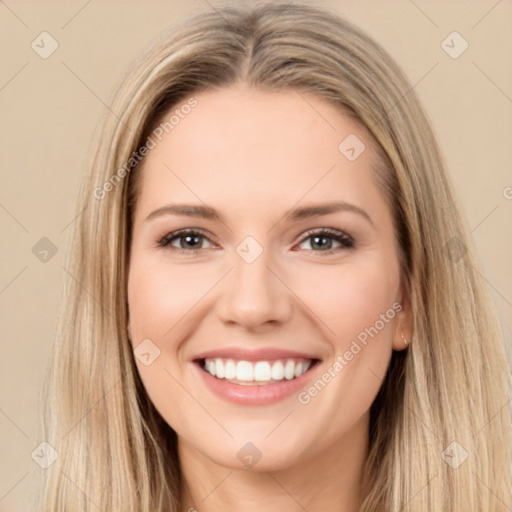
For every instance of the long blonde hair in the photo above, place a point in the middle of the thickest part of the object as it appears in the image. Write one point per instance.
(440, 425)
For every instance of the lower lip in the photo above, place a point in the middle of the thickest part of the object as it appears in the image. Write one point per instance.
(255, 394)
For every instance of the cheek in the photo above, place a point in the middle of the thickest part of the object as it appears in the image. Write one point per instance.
(351, 297)
(160, 296)
(157, 300)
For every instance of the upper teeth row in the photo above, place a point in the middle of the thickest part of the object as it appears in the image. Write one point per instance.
(260, 371)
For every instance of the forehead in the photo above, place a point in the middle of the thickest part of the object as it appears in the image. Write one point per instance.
(251, 148)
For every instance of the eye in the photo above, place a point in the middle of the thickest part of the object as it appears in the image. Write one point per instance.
(324, 240)
(185, 240)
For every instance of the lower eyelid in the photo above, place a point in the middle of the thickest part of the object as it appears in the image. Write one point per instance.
(343, 245)
(173, 238)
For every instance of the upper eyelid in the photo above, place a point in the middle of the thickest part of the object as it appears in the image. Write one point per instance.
(186, 231)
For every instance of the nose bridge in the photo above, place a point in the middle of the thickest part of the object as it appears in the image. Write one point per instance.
(253, 295)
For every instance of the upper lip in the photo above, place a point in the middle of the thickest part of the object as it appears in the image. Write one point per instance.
(245, 354)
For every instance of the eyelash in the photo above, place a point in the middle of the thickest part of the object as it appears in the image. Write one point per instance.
(346, 241)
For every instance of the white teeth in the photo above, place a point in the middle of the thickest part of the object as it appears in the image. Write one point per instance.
(230, 369)
(277, 371)
(262, 371)
(219, 369)
(246, 372)
(289, 370)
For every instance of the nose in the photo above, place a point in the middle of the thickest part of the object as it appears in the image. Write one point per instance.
(254, 295)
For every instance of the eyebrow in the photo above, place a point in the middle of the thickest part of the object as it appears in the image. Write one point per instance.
(206, 212)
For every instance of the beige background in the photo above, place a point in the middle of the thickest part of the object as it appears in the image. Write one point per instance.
(51, 109)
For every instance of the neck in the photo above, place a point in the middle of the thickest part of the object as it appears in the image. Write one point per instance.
(329, 480)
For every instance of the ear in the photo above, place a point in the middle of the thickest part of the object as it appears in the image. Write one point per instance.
(403, 321)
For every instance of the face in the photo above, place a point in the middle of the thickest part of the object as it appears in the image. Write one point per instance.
(281, 266)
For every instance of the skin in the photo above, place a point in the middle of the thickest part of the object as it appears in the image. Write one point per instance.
(253, 156)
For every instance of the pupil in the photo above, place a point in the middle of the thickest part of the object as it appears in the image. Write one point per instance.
(328, 242)
(193, 240)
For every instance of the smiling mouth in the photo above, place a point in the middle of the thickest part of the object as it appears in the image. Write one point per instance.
(256, 373)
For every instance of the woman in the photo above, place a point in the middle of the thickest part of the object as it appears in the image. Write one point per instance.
(273, 300)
